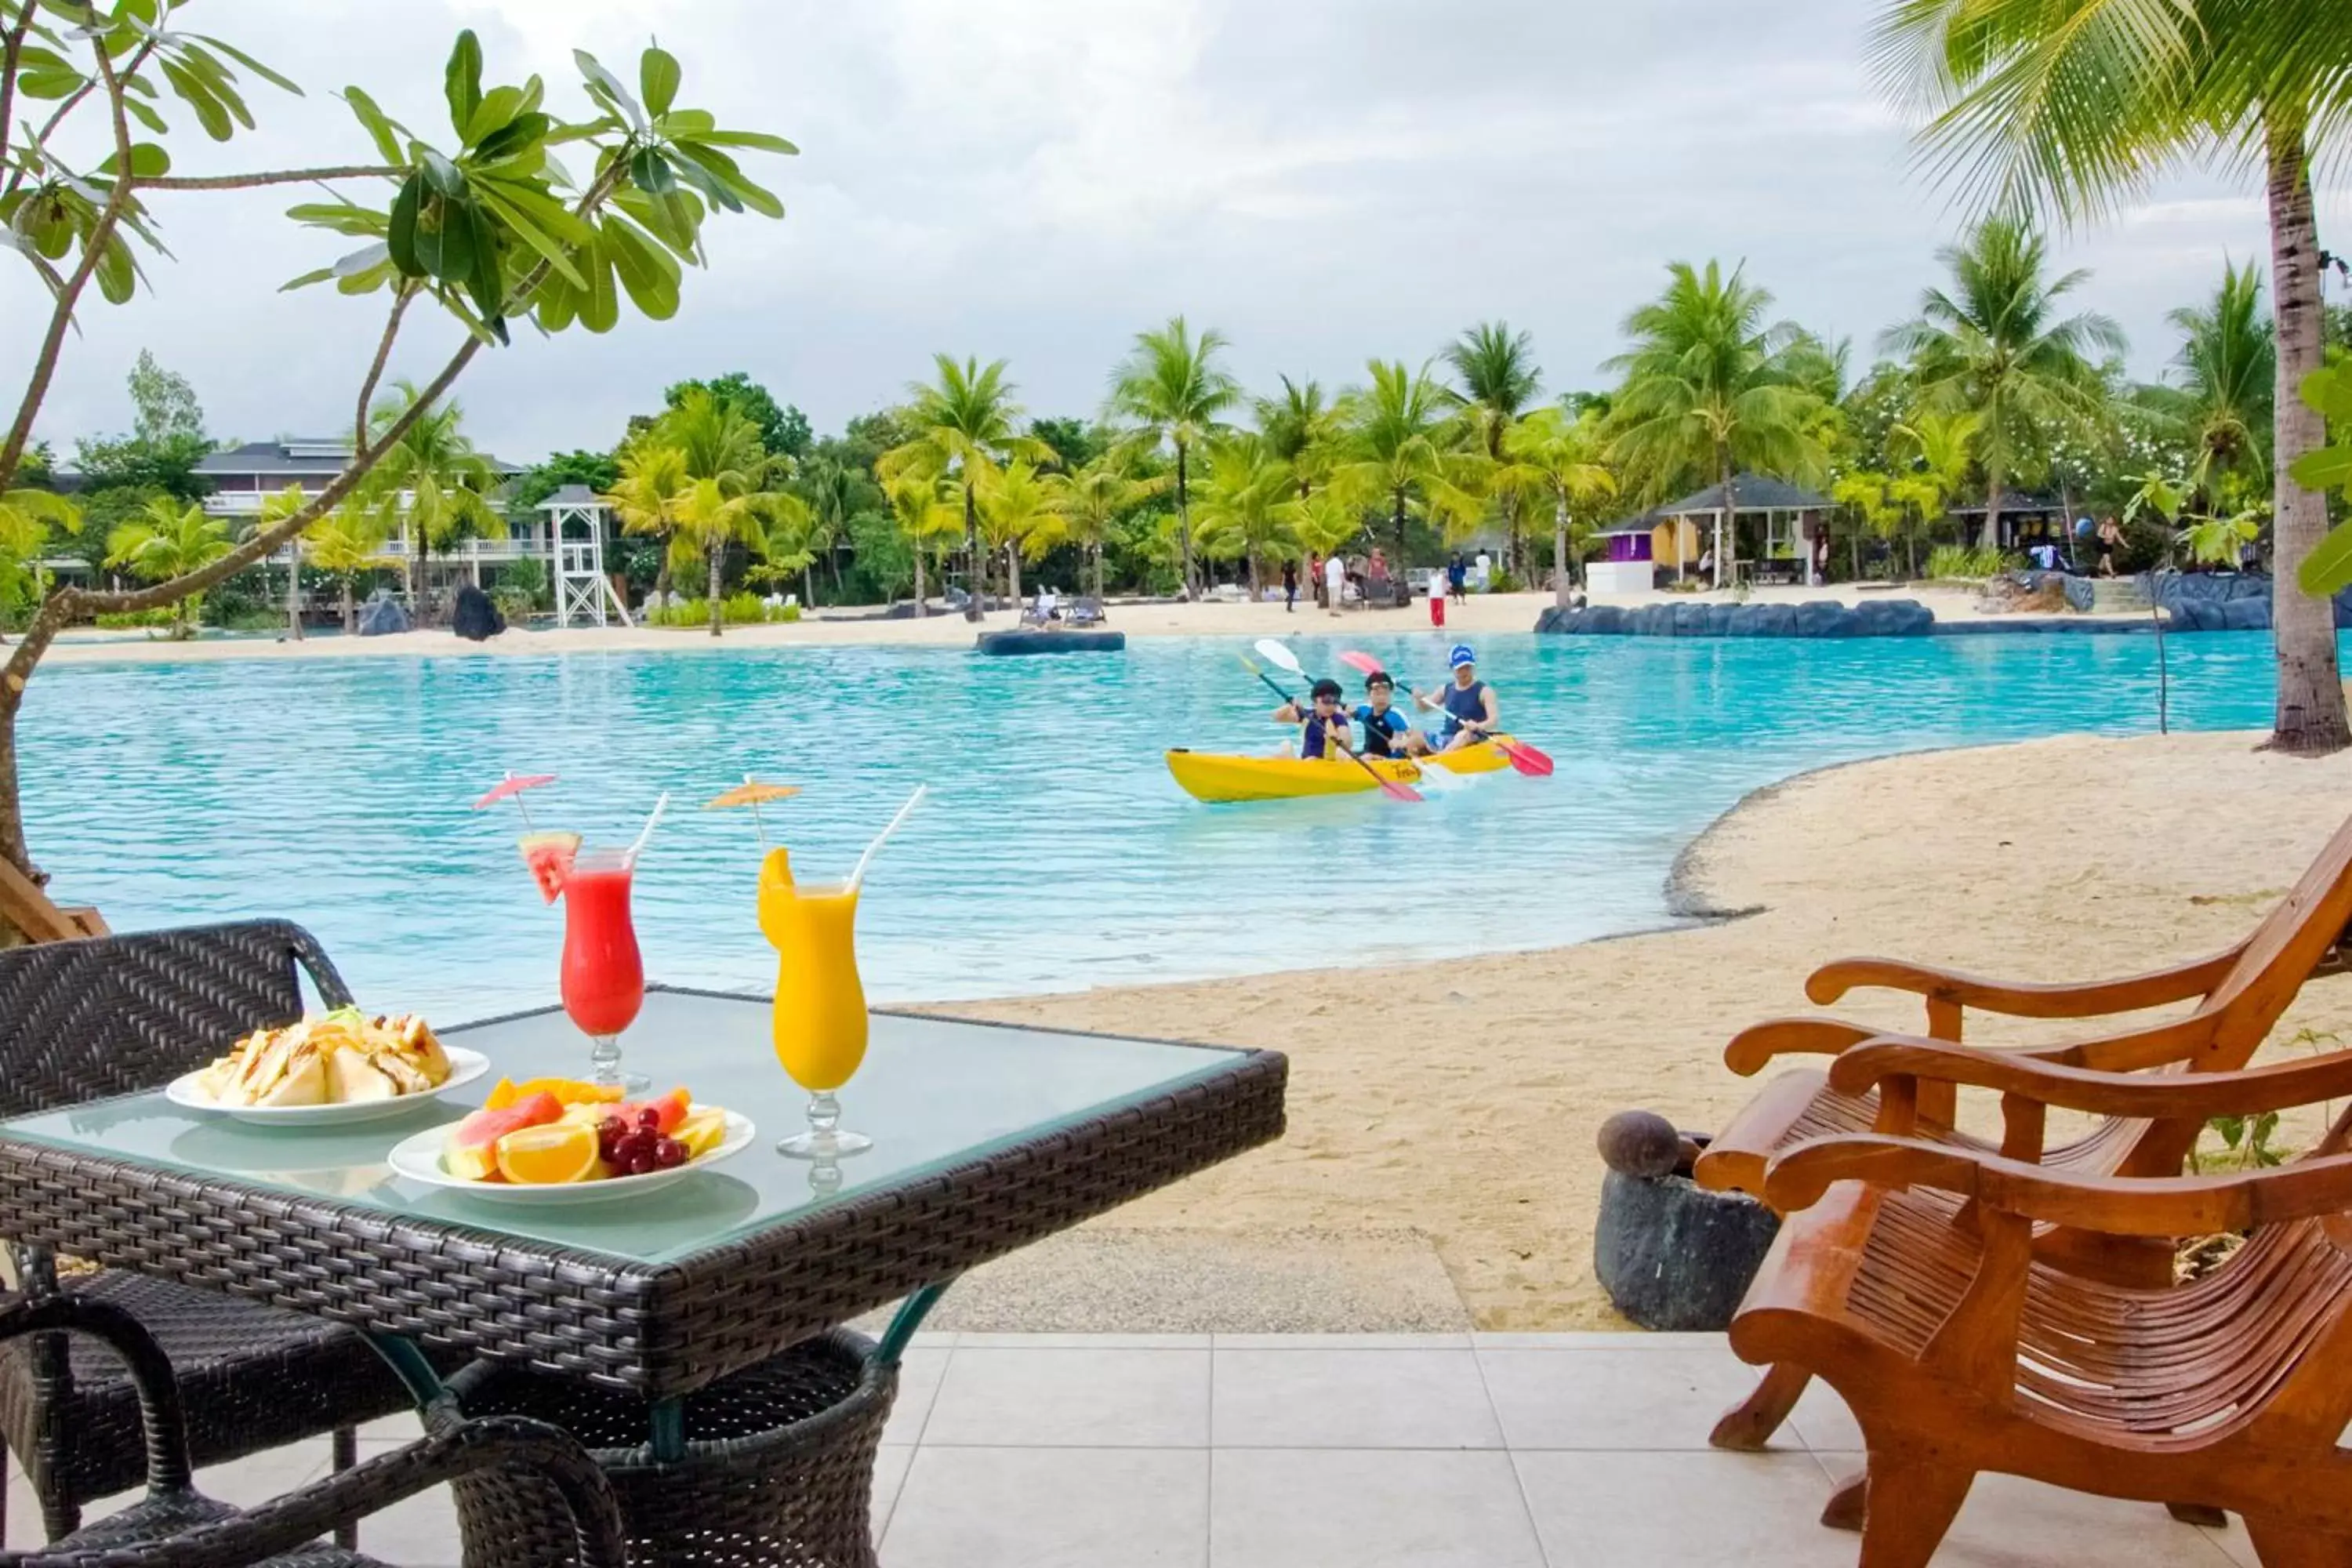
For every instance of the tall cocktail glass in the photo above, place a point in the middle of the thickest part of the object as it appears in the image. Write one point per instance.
(820, 1012)
(604, 975)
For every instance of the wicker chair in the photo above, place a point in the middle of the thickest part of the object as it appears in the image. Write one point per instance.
(83, 1020)
(175, 1526)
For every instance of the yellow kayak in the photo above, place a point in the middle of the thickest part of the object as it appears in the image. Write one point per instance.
(1223, 776)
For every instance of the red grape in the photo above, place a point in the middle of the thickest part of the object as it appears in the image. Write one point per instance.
(669, 1153)
(649, 1117)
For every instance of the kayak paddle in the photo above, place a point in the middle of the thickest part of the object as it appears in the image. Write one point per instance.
(1388, 787)
(1523, 758)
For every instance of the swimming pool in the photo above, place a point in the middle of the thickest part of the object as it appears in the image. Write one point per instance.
(1054, 853)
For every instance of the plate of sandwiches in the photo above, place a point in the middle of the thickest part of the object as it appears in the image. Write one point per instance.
(334, 1067)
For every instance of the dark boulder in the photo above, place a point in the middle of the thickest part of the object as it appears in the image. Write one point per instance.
(1823, 618)
(473, 618)
(2245, 615)
(382, 616)
(1892, 618)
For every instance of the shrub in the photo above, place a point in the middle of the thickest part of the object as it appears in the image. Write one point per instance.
(1501, 580)
(130, 619)
(1968, 561)
(735, 610)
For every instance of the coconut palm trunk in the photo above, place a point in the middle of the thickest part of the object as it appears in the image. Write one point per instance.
(1560, 553)
(2310, 714)
(351, 611)
(1184, 525)
(973, 557)
(1013, 574)
(294, 594)
(718, 554)
(1397, 520)
(416, 560)
(920, 611)
(1991, 538)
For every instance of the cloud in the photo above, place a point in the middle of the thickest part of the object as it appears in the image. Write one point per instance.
(1326, 179)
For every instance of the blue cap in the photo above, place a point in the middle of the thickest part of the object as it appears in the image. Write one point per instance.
(1460, 656)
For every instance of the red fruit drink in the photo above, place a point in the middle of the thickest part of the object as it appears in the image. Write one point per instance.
(604, 976)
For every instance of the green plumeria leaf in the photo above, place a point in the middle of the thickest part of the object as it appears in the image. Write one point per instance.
(210, 114)
(756, 141)
(248, 63)
(343, 217)
(400, 231)
(462, 82)
(658, 77)
(515, 136)
(2325, 469)
(148, 162)
(2328, 570)
(384, 132)
(147, 117)
(606, 87)
(558, 255)
(441, 176)
(499, 106)
(48, 84)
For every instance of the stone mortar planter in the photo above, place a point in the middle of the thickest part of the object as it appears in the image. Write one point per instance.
(1673, 1257)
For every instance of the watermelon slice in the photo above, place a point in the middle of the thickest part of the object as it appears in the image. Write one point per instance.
(549, 855)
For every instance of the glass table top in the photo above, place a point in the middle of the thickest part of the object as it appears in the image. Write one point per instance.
(931, 1092)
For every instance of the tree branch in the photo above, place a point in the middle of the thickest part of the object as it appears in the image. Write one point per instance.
(403, 293)
(94, 246)
(267, 177)
(65, 105)
(8, 53)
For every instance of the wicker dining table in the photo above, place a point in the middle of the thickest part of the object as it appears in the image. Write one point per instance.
(986, 1137)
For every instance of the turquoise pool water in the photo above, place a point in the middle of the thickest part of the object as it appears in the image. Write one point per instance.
(1054, 853)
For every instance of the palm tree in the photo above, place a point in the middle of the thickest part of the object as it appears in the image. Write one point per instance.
(276, 509)
(1096, 498)
(2228, 365)
(1301, 430)
(1499, 379)
(923, 508)
(1171, 388)
(728, 498)
(2072, 107)
(26, 516)
(1401, 451)
(1995, 345)
(1017, 509)
(966, 425)
(1245, 506)
(166, 540)
(1938, 446)
(1709, 390)
(440, 480)
(344, 543)
(645, 498)
(1550, 453)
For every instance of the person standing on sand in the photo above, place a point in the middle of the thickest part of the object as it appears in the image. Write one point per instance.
(1289, 586)
(1335, 583)
(2111, 544)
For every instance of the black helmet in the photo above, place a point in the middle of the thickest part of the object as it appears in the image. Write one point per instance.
(1378, 678)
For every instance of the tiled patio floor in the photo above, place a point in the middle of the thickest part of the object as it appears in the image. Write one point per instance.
(1350, 1451)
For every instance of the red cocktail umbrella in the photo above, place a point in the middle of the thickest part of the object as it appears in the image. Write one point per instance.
(512, 786)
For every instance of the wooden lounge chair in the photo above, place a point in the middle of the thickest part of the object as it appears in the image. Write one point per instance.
(2241, 991)
(1905, 1276)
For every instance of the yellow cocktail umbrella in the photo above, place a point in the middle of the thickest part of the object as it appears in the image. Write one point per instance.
(750, 793)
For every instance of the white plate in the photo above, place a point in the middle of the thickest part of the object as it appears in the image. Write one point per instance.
(417, 1158)
(187, 1092)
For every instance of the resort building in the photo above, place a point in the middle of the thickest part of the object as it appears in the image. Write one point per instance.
(1772, 533)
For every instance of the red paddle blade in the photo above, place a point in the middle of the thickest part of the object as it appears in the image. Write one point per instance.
(1526, 759)
(1363, 663)
(1396, 791)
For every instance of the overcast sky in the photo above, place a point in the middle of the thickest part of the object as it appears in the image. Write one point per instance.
(1324, 180)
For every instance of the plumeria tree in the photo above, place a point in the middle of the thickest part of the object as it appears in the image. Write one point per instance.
(479, 220)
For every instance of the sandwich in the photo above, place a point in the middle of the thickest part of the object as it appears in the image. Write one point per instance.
(343, 1057)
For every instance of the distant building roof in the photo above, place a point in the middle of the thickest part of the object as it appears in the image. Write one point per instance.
(2014, 506)
(297, 457)
(1750, 492)
(571, 495)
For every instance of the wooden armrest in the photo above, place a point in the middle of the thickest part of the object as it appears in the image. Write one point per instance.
(2165, 1097)
(2179, 983)
(2154, 1207)
(1754, 1047)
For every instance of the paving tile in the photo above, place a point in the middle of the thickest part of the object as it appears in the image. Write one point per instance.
(392, 1431)
(1616, 1399)
(1342, 1342)
(1350, 1399)
(1052, 1507)
(1072, 1398)
(1608, 1510)
(2009, 1522)
(1083, 1342)
(890, 1473)
(1361, 1507)
(1568, 1339)
(2234, 1543)
(419, 1532)
(919, 1372)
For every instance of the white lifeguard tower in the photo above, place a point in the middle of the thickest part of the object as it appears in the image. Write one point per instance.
(575, 546)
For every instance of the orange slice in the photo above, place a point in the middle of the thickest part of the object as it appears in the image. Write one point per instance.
(549, 1155)
(572, 1091)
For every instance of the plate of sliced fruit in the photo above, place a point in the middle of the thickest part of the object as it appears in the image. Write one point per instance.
(330, 1068)
(559, 1141)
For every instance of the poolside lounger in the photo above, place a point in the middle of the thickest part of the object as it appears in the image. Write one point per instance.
(1087, 612)
(2241, 994)
(1905, 1276)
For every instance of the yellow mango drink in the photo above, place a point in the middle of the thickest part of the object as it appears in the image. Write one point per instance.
(819, 1021)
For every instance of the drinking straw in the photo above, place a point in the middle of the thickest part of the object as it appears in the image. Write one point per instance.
(857, 877)
(639, 848)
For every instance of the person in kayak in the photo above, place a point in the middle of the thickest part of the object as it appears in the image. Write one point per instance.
(1387, 731)
(1324, 727)
(1468, 703)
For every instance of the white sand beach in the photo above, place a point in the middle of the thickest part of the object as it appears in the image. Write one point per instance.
(1469, 1116)
(1480, 613)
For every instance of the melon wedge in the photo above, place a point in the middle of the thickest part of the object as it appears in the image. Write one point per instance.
(549, 858)
(472, 1151)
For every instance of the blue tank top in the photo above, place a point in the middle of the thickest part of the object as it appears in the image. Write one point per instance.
(1464, 705)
